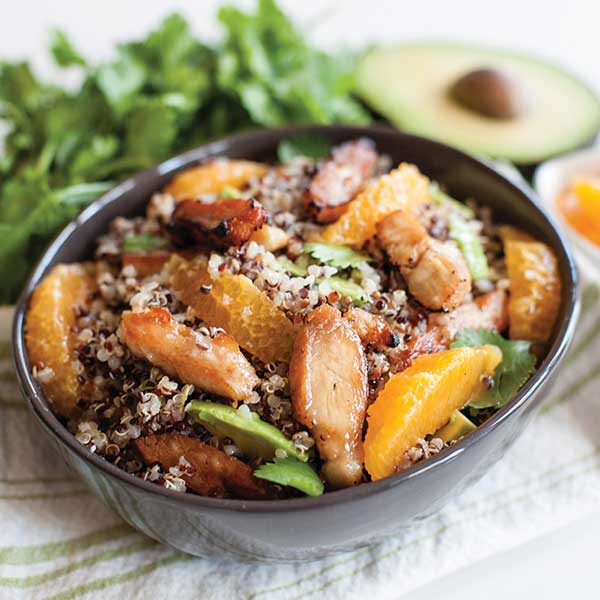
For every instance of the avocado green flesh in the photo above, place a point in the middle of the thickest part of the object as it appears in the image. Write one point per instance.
(457, 427)
(251, 435)
(291, 472)
(408, 85)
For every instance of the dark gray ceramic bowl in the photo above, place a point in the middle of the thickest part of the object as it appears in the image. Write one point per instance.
(305, 528)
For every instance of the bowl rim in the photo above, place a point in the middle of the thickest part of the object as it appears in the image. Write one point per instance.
(40, 406)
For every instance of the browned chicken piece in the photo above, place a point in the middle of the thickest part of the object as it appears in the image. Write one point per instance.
(225, 222)
(489, 311)
(436, 272)
(271, 238)
(214, 364)
(338, 180)
(328, 381)
(210, 471)
(372, 330)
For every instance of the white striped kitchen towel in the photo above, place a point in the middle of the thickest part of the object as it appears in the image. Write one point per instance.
(57, 541)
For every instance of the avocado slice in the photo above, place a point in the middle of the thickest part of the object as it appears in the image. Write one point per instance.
(290, 471)
(411, 86)
(251, 434)
(457, 427)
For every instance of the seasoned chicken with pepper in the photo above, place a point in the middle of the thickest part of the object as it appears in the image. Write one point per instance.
(206, 470)
(214, 364)
(338, 180)
(328, 381)
(436, 272)
(373, 330)
(224, 222)
(488, 311)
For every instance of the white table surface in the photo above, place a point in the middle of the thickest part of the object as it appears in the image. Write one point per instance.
(558, 565)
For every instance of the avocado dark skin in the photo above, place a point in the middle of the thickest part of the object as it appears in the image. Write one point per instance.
(491, 93)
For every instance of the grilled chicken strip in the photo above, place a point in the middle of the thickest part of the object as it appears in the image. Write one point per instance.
(210, 471)
(489, 311)
(372, 330)
(436, 272)
(328, 381)
(225, 222)
(214, 364)
(338, 180)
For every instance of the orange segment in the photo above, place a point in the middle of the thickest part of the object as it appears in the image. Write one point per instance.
(510, 233)
(48, 331)
(587, 191)
(236, 305)
(420, 400)
(402, 188)
(213, 177)
(578, 218)
(535, 286)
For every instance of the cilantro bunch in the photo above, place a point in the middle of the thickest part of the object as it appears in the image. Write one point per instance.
(161, 95)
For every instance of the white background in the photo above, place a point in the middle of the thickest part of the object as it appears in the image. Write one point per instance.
(565, 563)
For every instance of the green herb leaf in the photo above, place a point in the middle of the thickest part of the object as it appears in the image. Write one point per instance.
(151, 130)
(121, 81)
(143, 242)
(517, 366)
(309, 146)
(63, 51)
(348, 288)
(335, 255)
(162, 94)
(468, 242)
(291, 472)
(283, 263)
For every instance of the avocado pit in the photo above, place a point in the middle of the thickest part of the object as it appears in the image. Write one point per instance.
(491, 93)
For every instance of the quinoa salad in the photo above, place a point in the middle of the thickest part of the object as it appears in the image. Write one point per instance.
(267, 331)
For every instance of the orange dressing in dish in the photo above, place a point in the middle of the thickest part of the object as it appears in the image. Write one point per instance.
(579, 204)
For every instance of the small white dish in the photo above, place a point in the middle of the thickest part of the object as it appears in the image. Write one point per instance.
(550, 179)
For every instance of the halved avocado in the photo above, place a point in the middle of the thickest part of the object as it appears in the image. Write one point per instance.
(251, 434)
(415, 87)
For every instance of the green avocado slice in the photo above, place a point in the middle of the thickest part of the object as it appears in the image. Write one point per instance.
(290, 471)
(457, 427)
(408, 84)
(251, 434)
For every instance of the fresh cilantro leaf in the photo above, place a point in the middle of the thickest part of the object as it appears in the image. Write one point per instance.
(292, 472)
(121, 80)
(98, 150)
(278, 78)
(143, 242)
(310, 146)
(335, 255)
(151, 130)
(162, 94)
(294, 268)
(517, 366)
(348, 288)
(63, 51)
